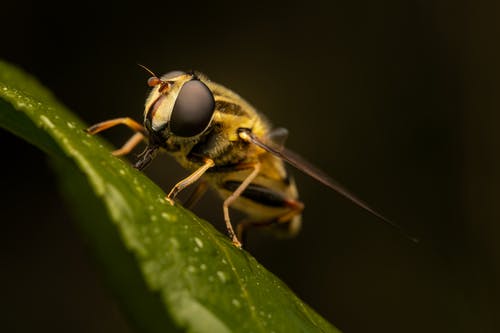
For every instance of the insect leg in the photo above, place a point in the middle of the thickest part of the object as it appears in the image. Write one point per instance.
(129, 122)
(129, 145)
(197, 194)
(189, 180)
(233, 197)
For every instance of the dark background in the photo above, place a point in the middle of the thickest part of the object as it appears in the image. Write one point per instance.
(398, 100)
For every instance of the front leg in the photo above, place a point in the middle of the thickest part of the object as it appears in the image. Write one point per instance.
(139, 136)
(129, 122)
(208, 163)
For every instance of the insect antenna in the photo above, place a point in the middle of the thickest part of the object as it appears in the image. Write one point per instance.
(154, 80)
(147, 70)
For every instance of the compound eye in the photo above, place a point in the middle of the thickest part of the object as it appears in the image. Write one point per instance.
(193, 109)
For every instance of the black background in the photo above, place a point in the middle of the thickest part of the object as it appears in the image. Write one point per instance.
(398, 100)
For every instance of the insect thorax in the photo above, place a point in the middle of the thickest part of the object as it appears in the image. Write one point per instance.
(221, 142)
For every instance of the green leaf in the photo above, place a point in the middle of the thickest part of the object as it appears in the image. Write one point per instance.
(170, 269)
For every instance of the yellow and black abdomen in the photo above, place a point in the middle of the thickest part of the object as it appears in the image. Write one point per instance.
(270, 200)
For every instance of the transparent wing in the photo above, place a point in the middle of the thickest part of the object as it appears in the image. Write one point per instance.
(298, 162)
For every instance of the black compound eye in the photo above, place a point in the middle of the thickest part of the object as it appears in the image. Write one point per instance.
(193, 109)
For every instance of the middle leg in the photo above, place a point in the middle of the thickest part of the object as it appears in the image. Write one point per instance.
(229, 200)
(192, 178)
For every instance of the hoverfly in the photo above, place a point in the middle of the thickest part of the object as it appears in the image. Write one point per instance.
(222, 140)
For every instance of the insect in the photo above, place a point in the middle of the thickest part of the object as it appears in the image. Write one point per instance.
(224, 142)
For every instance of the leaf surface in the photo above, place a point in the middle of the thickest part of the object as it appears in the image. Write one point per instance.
(170, 269)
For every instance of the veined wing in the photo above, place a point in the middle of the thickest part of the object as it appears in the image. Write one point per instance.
(300, 163)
